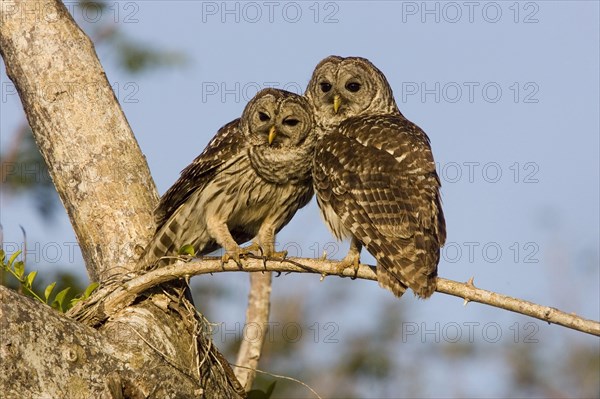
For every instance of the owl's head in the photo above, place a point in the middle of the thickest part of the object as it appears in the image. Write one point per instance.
(277, 119)
(345, 87)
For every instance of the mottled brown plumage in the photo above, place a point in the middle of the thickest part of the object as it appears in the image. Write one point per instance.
(247, 183)
(374, 175)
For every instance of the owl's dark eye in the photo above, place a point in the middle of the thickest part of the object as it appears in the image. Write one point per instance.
(325, 86)
(263, 117)
(291, 122)
(353, 86)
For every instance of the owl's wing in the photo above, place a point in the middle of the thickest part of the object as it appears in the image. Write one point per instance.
(220, 153)
(378, 175)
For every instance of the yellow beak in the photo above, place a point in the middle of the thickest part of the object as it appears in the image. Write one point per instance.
(272, 134)
(337, 101)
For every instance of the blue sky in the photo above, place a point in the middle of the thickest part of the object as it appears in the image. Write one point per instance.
(508, 93)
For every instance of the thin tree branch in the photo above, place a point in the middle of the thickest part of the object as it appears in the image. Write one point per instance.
(117, 297)
(255, 330)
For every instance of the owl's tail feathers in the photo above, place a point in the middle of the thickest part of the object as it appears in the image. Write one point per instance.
(148, 259)
(425, 289)
(390, 281)
(408, 265)
(155, 255)
(424, 267)
(423, 286)
(161, 245)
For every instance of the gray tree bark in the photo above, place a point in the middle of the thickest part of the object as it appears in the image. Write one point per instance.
(48, 355)
(257, 321)
(156, 347)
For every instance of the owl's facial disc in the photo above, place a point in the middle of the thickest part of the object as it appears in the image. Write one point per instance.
(293, 122)
(277, 119)
(279, 124)
(260, 114)
(342, 89)
(354, 90)
(263, 129)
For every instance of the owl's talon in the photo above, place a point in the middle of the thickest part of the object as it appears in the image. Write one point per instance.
(254, 247)
(265, 253)
(279, 254)
(350, 261)
(235, 256)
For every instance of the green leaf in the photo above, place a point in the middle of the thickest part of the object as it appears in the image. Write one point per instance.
(88, 291)
(48, 291)
(187, 249)
(60, 298)
(2, 256)
(19, 269)
(30, 278)
(86, 294)
(13, 257)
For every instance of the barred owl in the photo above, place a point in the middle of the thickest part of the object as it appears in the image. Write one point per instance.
(374, 175)
(246, 184)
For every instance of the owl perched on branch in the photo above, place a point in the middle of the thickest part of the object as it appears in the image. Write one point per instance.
(374, 175)
(247, 184)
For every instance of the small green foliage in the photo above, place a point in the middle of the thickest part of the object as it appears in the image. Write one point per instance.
(86, 294)
(31, 277)
(88, 291)
(258, 394)
(187, 249)
(12, 258)
(59, 302)
(48, 291)
(19, 269)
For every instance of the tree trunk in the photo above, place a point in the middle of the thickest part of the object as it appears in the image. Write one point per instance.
(158, 347)
(45, 354)
(94, 160)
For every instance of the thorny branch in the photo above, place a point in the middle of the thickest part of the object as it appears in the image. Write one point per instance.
(115, 297)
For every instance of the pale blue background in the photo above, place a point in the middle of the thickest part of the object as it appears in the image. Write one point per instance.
(551, 129)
